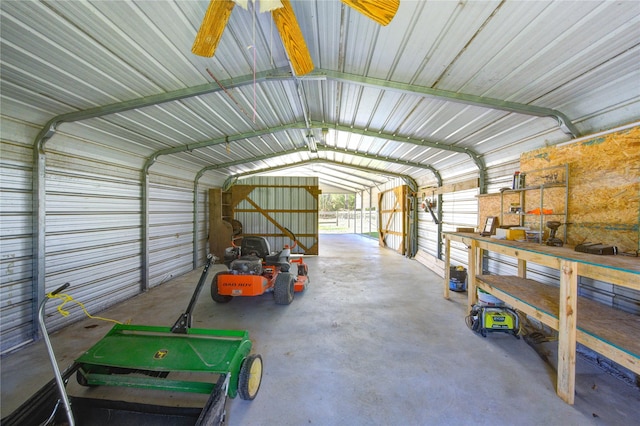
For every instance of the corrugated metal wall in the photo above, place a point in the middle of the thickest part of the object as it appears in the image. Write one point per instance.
(459, 209)
(92, 235)
(277, 197)
(202, 221)
(171, 212)
(16, 258)
(93, 229)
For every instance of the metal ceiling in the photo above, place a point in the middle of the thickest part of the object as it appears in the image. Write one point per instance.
(446, 89)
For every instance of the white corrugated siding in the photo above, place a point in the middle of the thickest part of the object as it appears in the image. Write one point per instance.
(93, 228)
(93, 237)
(202, 222)
(170, 231)
(16, 256)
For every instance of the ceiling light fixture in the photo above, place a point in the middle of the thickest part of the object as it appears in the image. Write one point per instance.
(325, 132)
(313, 147)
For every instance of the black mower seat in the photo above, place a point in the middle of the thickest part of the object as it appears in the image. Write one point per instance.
(274, 259)
(278, 258)
(258, 246)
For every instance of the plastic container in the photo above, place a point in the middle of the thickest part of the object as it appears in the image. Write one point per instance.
(486, 299)
(533, 236)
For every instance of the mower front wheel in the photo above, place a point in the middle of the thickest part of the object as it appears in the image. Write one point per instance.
(283, 288)
(81, 379)
(250, 377)
(217, 297)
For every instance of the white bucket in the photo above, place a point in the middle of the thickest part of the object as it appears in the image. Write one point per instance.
(485, 299)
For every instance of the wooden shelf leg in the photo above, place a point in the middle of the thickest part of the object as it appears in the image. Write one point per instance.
(472, 293)
(567, 331)
(447, 263)
(522, 268)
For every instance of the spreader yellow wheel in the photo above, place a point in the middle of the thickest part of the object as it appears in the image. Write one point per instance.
(250, 377)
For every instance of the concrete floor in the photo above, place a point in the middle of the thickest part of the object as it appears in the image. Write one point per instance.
(371, 342)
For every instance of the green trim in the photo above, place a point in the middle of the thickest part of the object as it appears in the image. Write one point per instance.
(563, 121)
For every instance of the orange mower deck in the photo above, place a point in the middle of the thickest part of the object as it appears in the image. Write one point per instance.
(252, 285)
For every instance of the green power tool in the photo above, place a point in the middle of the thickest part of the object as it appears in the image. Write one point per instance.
(484, 319)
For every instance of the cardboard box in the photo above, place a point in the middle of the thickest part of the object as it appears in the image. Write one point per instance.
(516, 234)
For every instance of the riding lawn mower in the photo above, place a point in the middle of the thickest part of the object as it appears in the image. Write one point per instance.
(255, 270)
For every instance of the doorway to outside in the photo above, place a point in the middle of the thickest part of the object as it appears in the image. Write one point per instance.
(340, 214)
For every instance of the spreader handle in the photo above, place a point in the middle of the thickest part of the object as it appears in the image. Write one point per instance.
(59, 289)
(295, 239)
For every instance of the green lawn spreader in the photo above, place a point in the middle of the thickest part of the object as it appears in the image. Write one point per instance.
(177, 359)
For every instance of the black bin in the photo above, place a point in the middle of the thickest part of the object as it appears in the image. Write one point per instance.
(457, 278)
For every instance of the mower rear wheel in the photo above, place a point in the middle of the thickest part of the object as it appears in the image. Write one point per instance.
(217, 297)
(283, 288)
(250, 377)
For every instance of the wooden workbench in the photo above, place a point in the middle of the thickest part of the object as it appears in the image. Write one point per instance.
(609, 331)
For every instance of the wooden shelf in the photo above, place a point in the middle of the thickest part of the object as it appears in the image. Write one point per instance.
(614, 332)
(607, 330)
(533, 214)
(534, 195)
(536, 187)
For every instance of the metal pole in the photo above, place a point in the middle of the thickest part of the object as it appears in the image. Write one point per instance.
(52, 357)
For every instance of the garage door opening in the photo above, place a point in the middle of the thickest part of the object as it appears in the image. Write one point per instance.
(346, 214)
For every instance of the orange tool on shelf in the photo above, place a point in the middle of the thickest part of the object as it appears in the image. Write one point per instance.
(537, 211)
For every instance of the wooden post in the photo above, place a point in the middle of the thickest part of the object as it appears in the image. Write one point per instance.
(447, 265)
(479, 258)
(567, 331)
(522, 268)
(472, 292)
